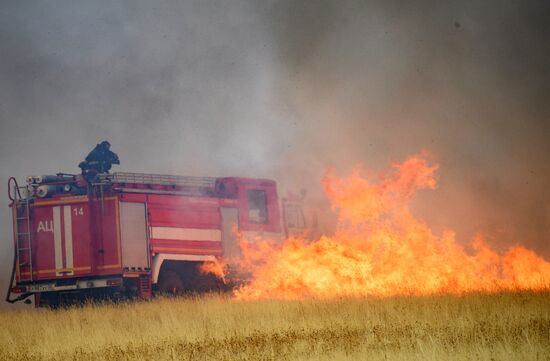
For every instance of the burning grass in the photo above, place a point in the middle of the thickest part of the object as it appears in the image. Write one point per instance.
(502, 326)
(381, 249)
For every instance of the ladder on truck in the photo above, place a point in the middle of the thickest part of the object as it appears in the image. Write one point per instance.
(158, 183)
(23, 233)
(158, 179)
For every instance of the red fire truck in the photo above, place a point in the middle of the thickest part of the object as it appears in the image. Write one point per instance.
(134, 234)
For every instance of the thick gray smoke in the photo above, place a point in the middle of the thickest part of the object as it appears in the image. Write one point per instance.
(282, 90)
(370, 82)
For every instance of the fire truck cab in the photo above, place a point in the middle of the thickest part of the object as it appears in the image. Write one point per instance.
(133, 233)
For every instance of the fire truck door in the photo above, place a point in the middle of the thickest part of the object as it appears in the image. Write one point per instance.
(133, 234)
(230, 220)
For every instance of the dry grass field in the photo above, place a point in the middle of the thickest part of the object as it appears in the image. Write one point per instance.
(505, 326)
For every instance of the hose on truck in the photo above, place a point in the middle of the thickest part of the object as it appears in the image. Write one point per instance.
(12, 278)
(8, 294)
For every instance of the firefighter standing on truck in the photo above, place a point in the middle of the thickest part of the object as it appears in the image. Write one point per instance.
(99, 160)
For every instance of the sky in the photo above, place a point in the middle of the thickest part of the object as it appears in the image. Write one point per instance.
(285, 89)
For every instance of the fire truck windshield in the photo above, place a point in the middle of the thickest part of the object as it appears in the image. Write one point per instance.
(257, 206)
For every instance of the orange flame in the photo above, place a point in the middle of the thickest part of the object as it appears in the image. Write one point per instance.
(216, 267)
(380, 249)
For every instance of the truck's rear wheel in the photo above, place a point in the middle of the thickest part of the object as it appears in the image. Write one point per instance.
(170, 283)
(48, 299)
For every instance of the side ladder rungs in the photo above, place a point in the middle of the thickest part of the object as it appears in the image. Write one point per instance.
(23, 241)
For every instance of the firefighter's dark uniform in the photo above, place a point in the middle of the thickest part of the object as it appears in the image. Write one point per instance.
(99, 160)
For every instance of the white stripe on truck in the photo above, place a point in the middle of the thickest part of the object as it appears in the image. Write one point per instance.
(68, 237)
(57, 239)
(191, 234)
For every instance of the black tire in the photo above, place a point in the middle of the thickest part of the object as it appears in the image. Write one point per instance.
(207, 283)
(49, 300)
(170, 283)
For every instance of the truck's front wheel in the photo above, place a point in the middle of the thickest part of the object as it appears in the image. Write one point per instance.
(170, 283)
